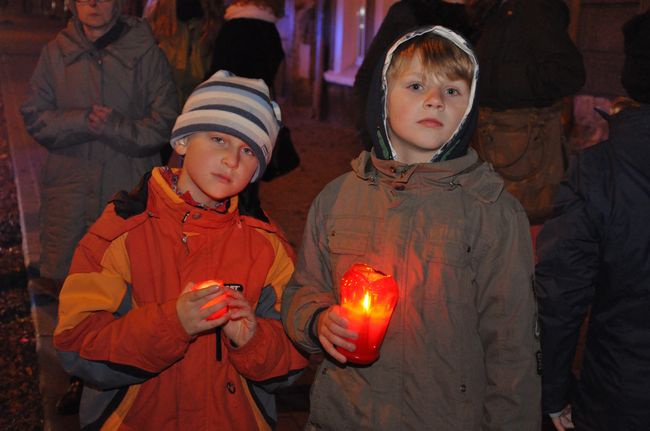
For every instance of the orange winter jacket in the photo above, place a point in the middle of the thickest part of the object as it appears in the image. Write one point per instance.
(118, 328)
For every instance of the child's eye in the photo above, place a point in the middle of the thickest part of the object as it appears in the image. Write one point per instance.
(248, 151)
(218, 140)
(452, 92)
(415, 86)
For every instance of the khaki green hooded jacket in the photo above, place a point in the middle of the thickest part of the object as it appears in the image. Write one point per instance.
(460, 350)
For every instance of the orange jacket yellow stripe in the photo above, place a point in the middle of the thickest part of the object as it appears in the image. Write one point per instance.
(159, 377)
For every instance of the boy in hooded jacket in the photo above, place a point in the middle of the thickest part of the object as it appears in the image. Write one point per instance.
(460, 349)
(132, 322)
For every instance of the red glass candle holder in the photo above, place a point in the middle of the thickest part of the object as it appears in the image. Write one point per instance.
(214, 301)
(368, 298)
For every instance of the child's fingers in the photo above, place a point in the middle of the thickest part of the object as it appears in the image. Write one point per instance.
(337, 324)
(340, 331)
(207, 325)
(206, 312)
(236, 314)
(237, 302)
(188, 287)
(205, 294)
(334, 314)
(338, 340)
(331, 350)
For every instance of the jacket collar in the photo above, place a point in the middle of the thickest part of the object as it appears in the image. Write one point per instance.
(127, 49)
(164, 202)
(468, 172)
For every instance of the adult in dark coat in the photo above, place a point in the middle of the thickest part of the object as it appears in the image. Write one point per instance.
(402, 16)
(248, 43)
(595, 253)
(528, 64)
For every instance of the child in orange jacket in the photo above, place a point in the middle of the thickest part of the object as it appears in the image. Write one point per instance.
(132, 323)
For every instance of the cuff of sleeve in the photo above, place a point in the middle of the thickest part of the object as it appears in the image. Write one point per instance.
(247, 348)
(111, 129)
(311, 326)
(556, 414)
(174, 326)
(76, 120)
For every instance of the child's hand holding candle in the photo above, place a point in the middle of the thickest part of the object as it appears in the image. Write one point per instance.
(197, 303)
(355, 329)
(214, 301)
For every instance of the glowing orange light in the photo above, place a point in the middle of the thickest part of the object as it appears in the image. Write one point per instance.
(218, 299)
(368, 298)
(366, 302)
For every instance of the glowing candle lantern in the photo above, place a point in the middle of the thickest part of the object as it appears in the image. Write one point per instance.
(368, 298)
(214, 301)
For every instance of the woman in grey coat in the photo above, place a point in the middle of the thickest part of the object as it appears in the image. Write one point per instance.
(102, 101)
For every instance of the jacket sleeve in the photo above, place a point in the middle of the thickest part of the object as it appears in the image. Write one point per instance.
(555, 68)
(310, 289)
(141, 137)
(270, 354)
(49, 125)
(506, 325)
(565, 277)
(147, 339)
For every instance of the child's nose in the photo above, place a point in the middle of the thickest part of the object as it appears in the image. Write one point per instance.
(231, 158)
(433, 99)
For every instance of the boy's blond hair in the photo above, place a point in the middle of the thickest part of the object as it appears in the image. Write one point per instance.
(438, 55)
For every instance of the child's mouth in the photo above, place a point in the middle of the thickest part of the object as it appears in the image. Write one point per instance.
(430, 122)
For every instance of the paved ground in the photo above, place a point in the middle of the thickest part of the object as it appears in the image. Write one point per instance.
(325, 152)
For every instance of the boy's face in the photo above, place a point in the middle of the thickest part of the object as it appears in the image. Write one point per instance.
(216, 166)
(423, 110)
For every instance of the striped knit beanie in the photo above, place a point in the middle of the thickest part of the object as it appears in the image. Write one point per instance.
(237, 106)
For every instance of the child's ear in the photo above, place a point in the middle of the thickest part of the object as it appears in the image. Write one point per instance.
(181, 146)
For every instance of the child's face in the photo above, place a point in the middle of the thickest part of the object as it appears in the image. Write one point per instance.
(423, 110)
(216, 166)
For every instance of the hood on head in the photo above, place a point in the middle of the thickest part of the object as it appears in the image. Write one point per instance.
(377, 123)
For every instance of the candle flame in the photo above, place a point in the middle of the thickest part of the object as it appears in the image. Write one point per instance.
(366, 301)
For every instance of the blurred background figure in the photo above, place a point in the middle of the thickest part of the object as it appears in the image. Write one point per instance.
(101, 101)
(595, 254)
(248, 43)
(185, 30)
(402, 16)
(528, 64)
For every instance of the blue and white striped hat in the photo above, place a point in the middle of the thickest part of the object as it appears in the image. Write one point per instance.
(237, 106)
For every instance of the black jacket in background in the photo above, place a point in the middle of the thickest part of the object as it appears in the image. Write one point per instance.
(596, 252)
(526, 56)
(248, 47)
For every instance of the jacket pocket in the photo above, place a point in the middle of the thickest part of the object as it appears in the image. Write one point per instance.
(348, 242)
(454, 253)
(448, 273)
